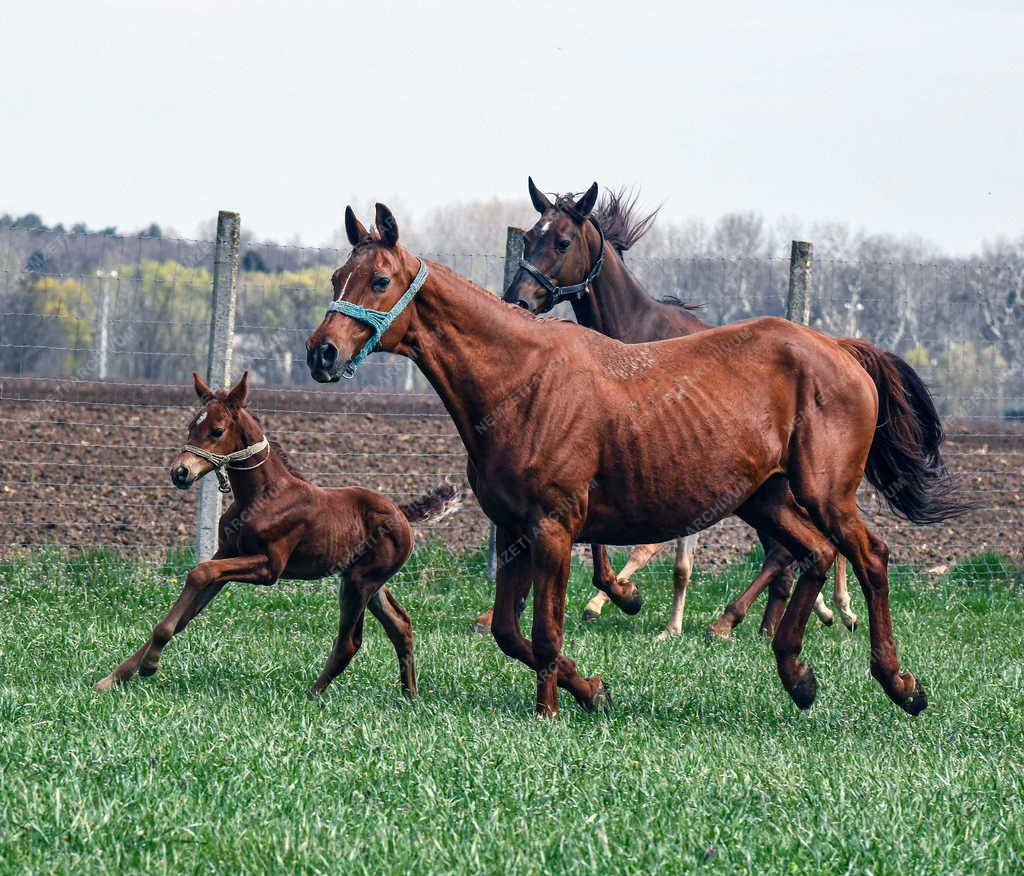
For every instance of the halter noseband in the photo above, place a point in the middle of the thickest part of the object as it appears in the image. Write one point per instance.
(563, 293)
(379, 320)
(227, 460)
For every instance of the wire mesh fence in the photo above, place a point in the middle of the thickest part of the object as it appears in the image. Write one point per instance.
(99, 335)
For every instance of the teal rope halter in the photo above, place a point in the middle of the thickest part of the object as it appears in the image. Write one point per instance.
(379, 320)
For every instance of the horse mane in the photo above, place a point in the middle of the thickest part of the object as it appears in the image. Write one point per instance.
(282, 457)
(676, 301)
(275, 448)
(616, 214)
(520, 312)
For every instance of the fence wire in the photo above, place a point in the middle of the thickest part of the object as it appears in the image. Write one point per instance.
(99, 335)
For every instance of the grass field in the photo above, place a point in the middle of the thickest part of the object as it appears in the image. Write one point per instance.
(220, 764)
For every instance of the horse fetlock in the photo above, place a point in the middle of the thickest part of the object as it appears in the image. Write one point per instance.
(105, 684)
(805, 690)
(917, 702)
(601, 701)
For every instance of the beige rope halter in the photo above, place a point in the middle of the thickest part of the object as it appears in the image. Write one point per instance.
(228, 460)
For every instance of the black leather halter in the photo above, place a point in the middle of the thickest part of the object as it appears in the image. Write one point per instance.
(558, 294)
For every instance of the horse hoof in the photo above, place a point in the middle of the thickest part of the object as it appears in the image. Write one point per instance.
(917, 702)
(590, 615)
(667, 634)
(146, 671)
(481, 629)
(806, 689)
(850, 624)
(632, 604)
(602, 700)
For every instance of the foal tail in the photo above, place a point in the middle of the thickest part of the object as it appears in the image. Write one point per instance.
(904, 463)
(433, 505)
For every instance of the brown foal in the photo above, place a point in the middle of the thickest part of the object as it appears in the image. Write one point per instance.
(573, 436)
(281, 525)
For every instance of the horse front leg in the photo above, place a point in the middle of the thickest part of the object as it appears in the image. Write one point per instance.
(550, 558)
(515, 576)
(604, 577)
(203, 583)
(685, 549)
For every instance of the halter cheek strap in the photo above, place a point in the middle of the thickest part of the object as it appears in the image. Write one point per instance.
(379, 320)
(228, 460)
(558, 294)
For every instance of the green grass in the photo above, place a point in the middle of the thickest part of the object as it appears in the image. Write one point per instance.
(219, 764)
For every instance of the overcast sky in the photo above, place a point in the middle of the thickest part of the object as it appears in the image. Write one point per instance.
(902, 117)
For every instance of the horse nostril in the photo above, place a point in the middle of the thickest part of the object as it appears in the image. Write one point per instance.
(180, 474)
(523, 304)
(328, 355)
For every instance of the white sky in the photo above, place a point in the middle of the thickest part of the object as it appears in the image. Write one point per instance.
(902, 117)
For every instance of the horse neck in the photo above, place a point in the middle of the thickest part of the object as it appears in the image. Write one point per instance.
(248, 483)
(619, 307)
(477, 352)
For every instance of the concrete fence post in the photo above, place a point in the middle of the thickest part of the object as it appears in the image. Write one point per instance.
(103, 353)
(514, 241)
(218, 363)
(798, 300)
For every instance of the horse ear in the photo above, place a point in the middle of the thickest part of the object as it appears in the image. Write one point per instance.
(202, 390)
(540, 201)
(585, 204)
(387, 227)
(355, 229)
(239, 395)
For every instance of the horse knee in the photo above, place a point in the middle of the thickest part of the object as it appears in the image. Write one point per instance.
(507, 637)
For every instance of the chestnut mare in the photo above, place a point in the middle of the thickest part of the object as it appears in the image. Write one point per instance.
(573, 436)
(616, 305)
(281, 525)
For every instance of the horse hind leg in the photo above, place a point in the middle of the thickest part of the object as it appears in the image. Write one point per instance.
(869, 556)
(774, 511)
(773, 573)
(841, 596)
(823, 612)
(685, 549)
(398, 626)
(603, 580)
(835, 513)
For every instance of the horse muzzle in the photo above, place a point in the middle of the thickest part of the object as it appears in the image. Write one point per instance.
(181, 477)
(324, 363)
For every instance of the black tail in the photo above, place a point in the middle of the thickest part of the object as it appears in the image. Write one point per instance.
(905, 464)
(433, 505)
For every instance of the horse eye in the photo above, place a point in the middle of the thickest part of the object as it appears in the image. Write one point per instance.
(216, 433)
(381, 283)
(562, 245)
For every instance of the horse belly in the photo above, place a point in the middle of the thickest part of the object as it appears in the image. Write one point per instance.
(678, 473)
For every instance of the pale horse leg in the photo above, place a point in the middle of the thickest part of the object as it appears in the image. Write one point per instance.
(639, 557)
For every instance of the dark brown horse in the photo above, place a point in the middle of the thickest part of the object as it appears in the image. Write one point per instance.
(556, 256)
(573, 436)
(281, 525)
